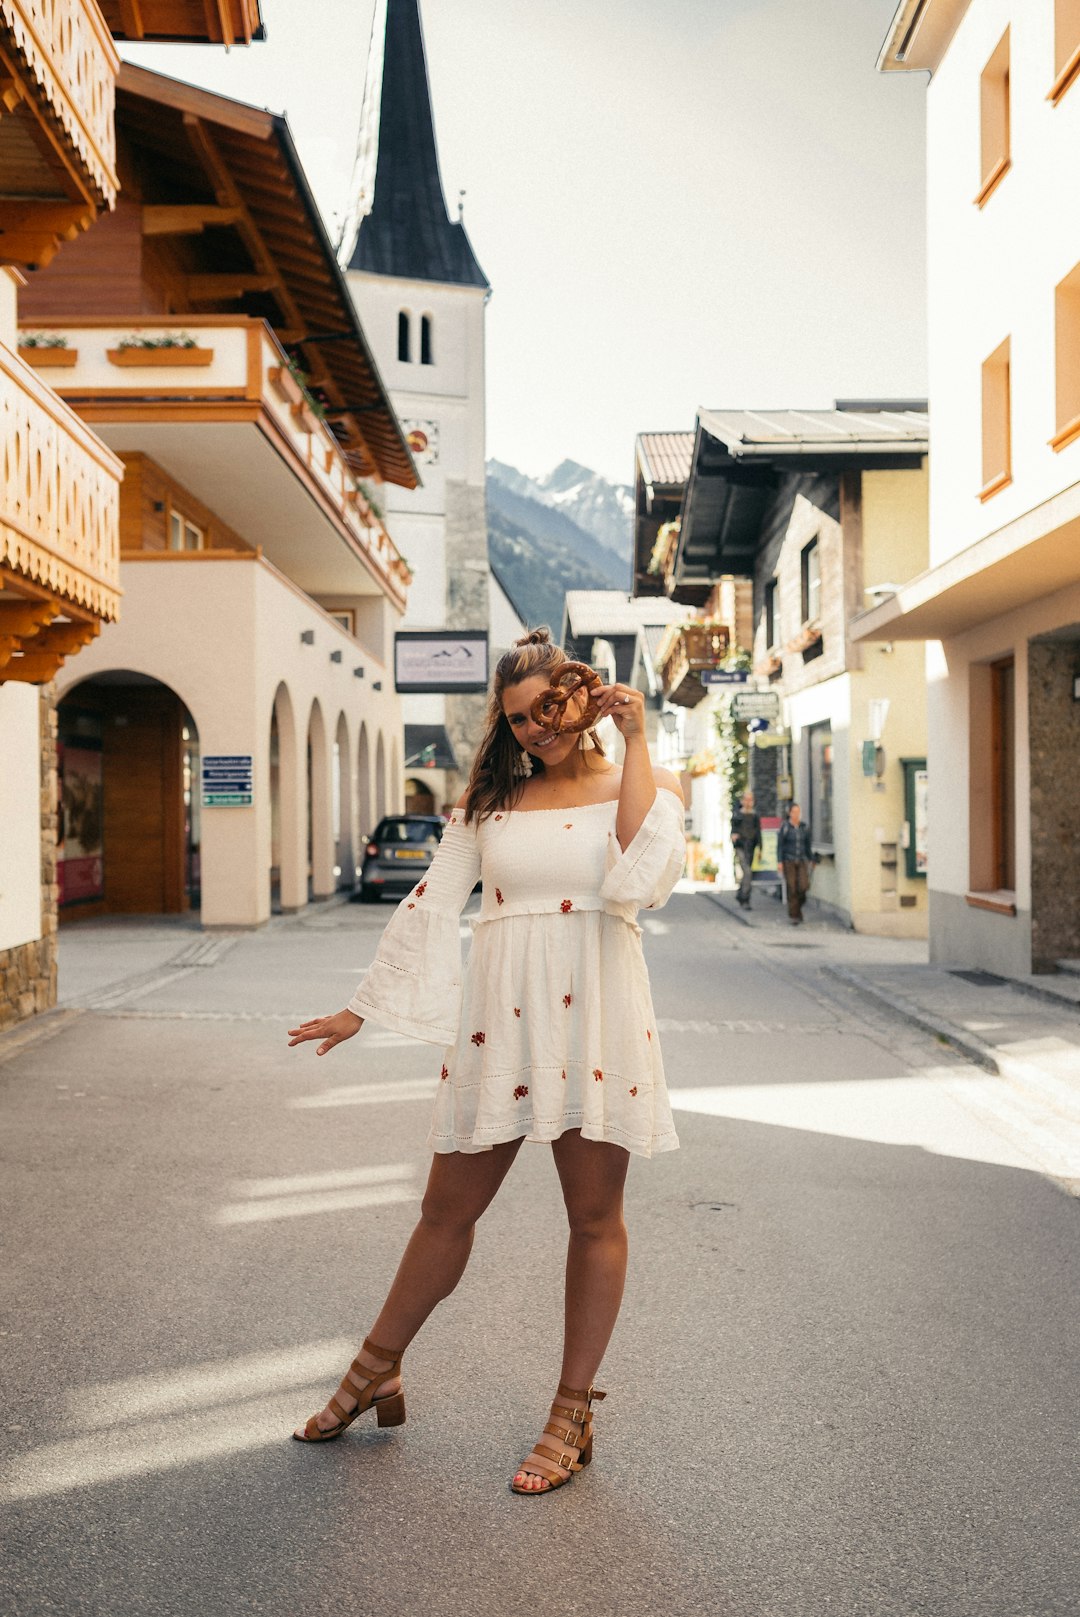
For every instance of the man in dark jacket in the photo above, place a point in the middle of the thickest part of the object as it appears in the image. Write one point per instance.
(746, 838)
(794, 855)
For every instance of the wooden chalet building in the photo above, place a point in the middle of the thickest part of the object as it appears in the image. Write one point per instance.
(228, 742)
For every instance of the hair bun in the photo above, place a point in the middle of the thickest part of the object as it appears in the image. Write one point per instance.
(536, 637)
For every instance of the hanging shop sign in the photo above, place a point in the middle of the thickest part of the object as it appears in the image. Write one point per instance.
(724, 676)
(747, 705)
(440, 660)
(227, 780)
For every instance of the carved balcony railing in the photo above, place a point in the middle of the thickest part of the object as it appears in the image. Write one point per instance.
(235, 371)
(59, 527)
(59, 56)
(685, 652)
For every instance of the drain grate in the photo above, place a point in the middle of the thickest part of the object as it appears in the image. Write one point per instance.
(979, 979)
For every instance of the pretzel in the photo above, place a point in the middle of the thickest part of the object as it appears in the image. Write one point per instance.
(550, 706)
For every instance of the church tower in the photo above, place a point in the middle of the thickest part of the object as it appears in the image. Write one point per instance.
(421, 296)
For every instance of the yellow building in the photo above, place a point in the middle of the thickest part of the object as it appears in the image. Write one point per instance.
(59, 498)
(822, 509)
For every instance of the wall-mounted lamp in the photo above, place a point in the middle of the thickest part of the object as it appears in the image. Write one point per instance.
(670, 721)
(335, 656)
(307, 637)
(358, 673)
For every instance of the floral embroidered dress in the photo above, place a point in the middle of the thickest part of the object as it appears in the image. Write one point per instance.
(551, 1025)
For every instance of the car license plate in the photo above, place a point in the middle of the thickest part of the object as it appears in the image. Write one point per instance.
(409, 853)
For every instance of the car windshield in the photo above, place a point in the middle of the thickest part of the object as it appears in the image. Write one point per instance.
(408, 831)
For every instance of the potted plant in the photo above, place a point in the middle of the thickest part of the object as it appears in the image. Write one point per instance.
(707, 870)
(47, 349)
(172, 348)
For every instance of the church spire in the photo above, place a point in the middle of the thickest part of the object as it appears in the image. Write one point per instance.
(406, 231)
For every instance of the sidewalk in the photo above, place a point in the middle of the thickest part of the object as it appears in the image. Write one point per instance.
(1025, 1029)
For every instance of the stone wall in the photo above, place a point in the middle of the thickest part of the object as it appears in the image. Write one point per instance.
(467, 570)
(1054, 732)
(28, 972)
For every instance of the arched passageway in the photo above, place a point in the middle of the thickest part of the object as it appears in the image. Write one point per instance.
(288, 870)
(380, 778)
(320, 848)
(365, 818)
(344, 846)
(419, 799)
(129, 832)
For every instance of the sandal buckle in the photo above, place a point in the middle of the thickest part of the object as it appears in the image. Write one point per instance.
(566, 1461)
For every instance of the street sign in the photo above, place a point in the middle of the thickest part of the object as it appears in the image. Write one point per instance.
(227, 780)
(724, 676)
(747, 705)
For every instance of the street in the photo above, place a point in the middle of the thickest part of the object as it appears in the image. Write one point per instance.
(844, 1381)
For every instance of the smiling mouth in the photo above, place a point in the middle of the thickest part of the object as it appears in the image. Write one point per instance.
(539, 745)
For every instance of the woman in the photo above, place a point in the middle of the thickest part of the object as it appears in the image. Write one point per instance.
(550, 1037)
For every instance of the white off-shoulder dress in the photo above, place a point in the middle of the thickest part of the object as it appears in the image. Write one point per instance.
(551, 1025)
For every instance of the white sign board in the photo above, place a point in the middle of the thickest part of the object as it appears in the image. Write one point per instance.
(440, 660)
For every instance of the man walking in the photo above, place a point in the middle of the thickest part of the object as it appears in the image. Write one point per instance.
(794, 854)
(746, 839)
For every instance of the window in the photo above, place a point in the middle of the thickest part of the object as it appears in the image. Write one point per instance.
(427, 354)
(1066, 46)
(404, 336)
(996, 422)
(810, 572)
(184, 535)
(1067, 359)
(996, 119)
(1003, 778)
(770, 614)
(820, 741)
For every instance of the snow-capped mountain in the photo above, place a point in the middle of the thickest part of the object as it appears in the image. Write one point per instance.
(604, 510)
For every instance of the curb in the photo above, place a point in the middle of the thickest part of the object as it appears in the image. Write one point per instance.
(719, 899)
(1052, 1091)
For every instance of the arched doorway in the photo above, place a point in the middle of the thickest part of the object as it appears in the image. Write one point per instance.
(363, 785)
(380, 778)
(320, 839)
(418, 798)
(288, 880)
(129, 812)
(344, 846)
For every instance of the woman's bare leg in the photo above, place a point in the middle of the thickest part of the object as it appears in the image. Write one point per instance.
(460, 1188)
(593, 1174)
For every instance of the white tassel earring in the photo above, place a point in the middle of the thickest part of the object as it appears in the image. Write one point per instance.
(525, 766)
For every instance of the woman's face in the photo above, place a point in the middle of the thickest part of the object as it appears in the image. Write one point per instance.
(537, 738)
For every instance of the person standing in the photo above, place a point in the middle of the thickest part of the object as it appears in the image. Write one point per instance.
(794, 855)
(746, 839)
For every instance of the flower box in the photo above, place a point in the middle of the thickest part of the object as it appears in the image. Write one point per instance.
(42, 358)
(284, 384)
(160, 356)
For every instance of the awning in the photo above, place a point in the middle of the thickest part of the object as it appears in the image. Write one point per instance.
(427, 746)
(1033, 556)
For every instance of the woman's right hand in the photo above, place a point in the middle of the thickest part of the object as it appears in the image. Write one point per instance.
(331, 1030)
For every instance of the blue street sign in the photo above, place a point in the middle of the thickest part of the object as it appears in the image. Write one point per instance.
(725, 676)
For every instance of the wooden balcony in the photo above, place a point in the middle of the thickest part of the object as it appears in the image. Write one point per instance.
(685, 652)
(58, 68)
(217, 22)
(239, 431)
(59, 528)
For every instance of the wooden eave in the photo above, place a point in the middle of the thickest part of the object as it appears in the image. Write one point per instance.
(193, 22)
(211, 152)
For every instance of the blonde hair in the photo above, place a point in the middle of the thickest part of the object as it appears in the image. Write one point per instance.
(495, 781)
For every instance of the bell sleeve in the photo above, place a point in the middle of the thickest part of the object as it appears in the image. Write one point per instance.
(413, 986)
(645, 873)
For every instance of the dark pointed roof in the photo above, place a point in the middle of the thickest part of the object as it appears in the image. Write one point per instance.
(408, 232)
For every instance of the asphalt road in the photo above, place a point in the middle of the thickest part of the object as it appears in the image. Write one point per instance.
(844, 1382)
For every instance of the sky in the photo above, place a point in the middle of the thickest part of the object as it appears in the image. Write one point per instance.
(679, 203)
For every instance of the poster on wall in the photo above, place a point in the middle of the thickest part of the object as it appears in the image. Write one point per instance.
(80, 863)
(441, 660)
(916, 841)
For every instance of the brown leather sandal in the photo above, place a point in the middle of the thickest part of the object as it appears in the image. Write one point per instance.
(360, 1383)
(572, 1409)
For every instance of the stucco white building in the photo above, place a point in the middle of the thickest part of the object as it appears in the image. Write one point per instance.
(422, 296)
(999, 604)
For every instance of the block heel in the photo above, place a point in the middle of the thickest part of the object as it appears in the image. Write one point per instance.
(391, 1411)
(362, 1383)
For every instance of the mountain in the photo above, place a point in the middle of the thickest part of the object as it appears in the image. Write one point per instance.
(568, 531)
(604, 510)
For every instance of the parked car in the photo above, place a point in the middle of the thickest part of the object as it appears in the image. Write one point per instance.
(401, 848)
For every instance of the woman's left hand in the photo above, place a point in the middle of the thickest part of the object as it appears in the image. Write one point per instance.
(626, 706)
